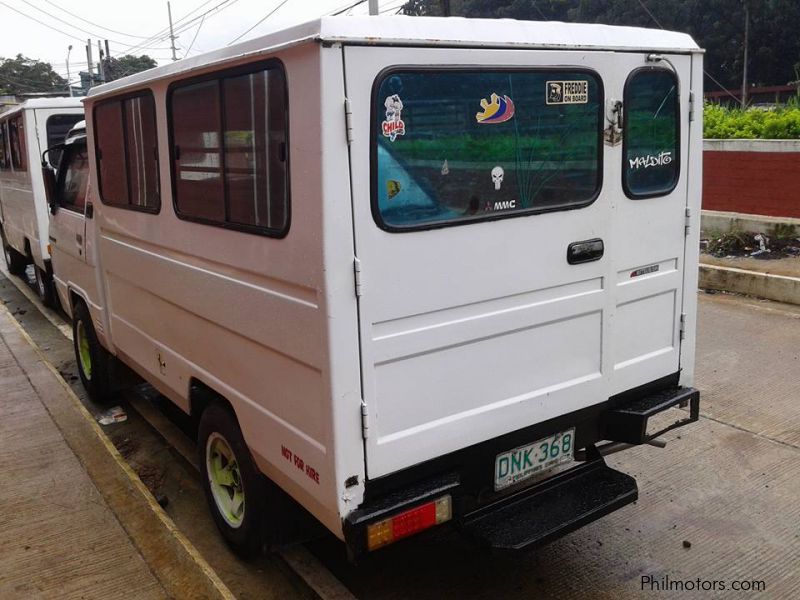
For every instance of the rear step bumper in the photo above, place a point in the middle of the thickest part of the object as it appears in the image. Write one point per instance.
(628, 423)
(552, 508)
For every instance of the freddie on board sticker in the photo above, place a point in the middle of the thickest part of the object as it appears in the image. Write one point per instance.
(394, 124)
(498, 109)
(567, 92)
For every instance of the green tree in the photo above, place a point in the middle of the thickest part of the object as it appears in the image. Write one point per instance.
(116, 68)
(22, 75)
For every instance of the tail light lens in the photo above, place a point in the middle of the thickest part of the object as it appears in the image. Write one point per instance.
(409, 522)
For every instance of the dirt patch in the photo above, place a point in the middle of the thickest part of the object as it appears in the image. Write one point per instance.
(740, 244)
(152, 477)
(125, 445)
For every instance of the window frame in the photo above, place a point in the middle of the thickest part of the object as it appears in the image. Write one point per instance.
(22, 141)
(373, 150)
(219, 76)
(47, 132)
(625, 130)
(5, 164)
(121, 98)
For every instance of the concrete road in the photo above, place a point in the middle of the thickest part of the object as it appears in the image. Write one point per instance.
(718, 507)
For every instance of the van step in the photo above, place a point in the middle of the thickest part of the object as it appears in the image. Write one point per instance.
(552, 508)
(628, 423)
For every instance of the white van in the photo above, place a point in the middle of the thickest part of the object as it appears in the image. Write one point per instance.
(411, 270)
(26, 131)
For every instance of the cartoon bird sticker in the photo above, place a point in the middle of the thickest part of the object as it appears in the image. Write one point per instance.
(498, 109)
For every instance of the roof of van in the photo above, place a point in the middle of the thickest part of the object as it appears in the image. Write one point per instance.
(40, 103)
(428, 31)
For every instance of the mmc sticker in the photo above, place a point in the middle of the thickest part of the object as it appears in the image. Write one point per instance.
(644, 271)
(498, 109)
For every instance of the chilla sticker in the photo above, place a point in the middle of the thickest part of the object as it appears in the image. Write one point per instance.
(393, 125)
(498, 109)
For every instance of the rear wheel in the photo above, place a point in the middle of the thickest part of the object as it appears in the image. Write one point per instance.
(234, 487)
(15, 261)
(93, 360)
(44, 287)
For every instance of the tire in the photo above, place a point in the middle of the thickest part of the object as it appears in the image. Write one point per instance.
(16, 262)
(235, 489)
(44, 287)
(93, 360)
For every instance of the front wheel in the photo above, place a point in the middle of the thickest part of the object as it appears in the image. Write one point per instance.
(93, 360)
(44, 287)
(234, 487)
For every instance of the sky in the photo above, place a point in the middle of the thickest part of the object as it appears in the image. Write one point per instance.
(44, 29)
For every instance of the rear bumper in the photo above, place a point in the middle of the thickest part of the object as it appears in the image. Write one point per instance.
(541, 511)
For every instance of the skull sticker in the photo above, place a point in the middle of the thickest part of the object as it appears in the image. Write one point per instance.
(497, 177)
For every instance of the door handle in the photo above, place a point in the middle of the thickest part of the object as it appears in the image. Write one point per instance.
(585, 251)
(79, 238)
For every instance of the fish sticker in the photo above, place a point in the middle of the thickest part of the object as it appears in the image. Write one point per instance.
(498, 109)
(394, 124)
(392, 188)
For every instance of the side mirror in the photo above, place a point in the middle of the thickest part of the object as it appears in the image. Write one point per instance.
(49, 178)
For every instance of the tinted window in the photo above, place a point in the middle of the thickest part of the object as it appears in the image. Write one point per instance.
(127, 152)
(651, 139)
(58, 127)
(229, 150)
(461, 145)
(16, 135)
(74, 178)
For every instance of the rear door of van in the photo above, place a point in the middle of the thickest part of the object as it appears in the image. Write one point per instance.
(504, 276)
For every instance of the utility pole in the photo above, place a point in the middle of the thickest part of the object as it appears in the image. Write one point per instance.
(101, 68)
(89, 61)
(373, 8)
(69, 79)
(171, 32)
(746, 44)
(446, 8)
(108, 52)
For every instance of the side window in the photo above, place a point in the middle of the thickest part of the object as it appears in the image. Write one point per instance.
(16, 134)
(127, 152)
(651, 142)
(229, 150)
(73, 178)
(5, 161)
(58, 127)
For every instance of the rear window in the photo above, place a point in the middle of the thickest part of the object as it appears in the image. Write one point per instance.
(5, 157)
(16, 135)
(457, 146)
(651, 138)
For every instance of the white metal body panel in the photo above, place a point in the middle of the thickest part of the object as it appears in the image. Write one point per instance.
(24, 205)
(462, 340)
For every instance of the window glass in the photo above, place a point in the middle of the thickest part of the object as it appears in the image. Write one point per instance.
(58, 127)
(16, 134)
(651, 142)
(5, 161)
(461, 145)
(141, 151)
(230, 163)
(110, 138)
(74, 177)
(127, 144)
(198, 155)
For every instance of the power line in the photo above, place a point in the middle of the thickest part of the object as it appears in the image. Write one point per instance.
(264, 18)
(194, 39)
(69, 35)
(93, 23)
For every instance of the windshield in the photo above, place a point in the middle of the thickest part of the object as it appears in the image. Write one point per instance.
(463, 145)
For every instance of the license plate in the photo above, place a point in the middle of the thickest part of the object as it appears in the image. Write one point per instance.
(526, 461)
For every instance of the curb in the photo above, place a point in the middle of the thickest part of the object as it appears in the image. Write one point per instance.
(170, 556)
(751, 283)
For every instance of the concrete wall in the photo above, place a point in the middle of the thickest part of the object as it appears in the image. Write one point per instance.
(759, 177)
